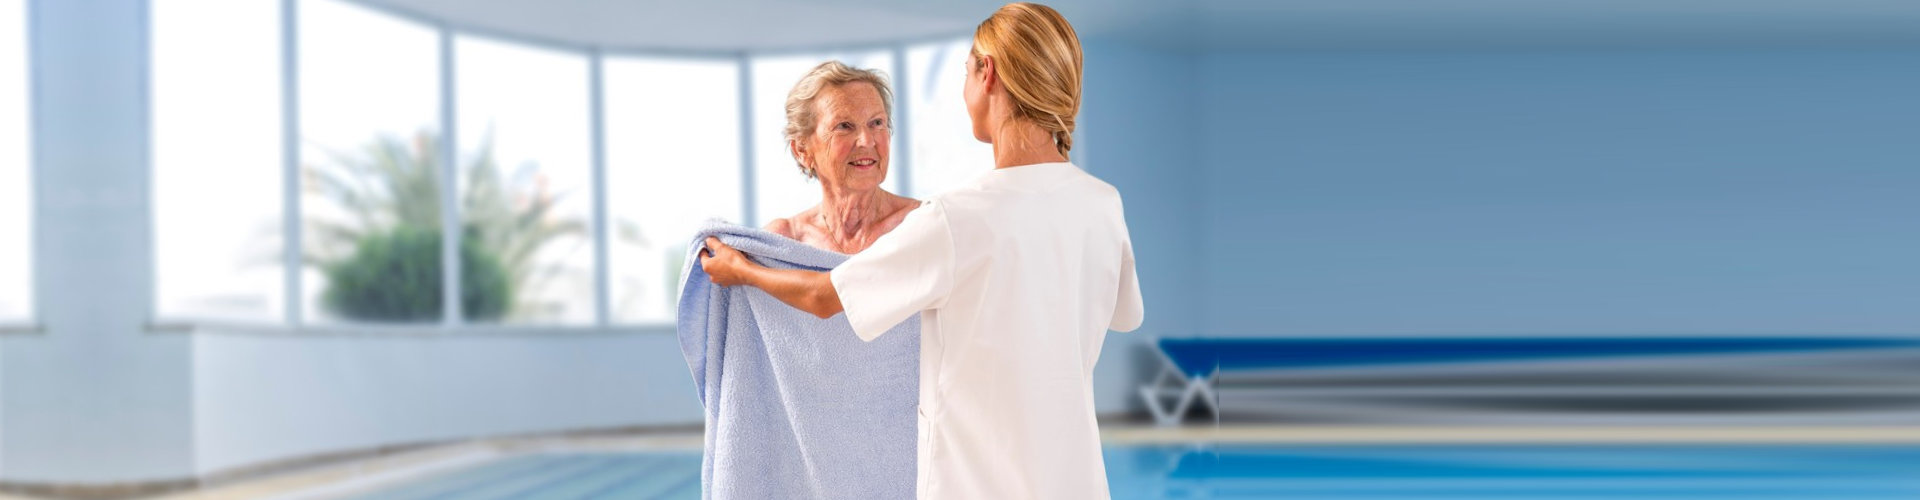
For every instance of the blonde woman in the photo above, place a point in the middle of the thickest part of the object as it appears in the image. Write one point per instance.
(1017, 277)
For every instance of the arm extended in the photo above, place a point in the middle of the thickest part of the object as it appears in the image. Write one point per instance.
(810, 291)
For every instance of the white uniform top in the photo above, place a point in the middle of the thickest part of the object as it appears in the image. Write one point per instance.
(1018, 276)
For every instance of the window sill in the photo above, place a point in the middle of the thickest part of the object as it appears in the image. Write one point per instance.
(400, 330)
(8, 328)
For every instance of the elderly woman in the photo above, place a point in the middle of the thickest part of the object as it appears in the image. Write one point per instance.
(839, 126)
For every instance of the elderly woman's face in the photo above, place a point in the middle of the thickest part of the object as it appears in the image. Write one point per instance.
(849, 146)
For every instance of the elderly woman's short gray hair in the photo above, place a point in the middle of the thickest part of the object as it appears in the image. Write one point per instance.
(801, 111)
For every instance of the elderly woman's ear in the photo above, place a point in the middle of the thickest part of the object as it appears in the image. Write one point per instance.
(799, 156)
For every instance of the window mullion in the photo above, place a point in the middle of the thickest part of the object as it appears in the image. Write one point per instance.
(291, 231)
(902, 164)
(748, 204)
(451, 236)
(602, 279)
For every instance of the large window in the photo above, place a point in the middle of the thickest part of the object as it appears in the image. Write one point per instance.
(780, 190)
(945, 154)
(673, 161)
(370, 156)
(15, 160)
(327, 198)
(525, 168)
(217, 160)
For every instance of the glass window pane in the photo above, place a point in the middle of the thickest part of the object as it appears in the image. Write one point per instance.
(217, 160)
(780, 190)
(945, 154)
(15, 203)
(370, 202)
(525, 171)
(673, 161)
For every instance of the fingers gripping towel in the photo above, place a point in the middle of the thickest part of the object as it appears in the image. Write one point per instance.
(796, 406)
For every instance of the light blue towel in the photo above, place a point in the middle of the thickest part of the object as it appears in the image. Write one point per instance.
(797, 406)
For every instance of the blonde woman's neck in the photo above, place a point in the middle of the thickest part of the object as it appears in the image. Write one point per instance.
(1020, 142)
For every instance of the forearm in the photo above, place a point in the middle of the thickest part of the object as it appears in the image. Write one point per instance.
(810, 291)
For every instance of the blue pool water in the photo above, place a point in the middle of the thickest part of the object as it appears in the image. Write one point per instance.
(1640, 472)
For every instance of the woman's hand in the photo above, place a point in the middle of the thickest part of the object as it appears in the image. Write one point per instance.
(724, 265)
(810, 291)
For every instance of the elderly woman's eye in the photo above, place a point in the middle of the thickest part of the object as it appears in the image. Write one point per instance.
(843, 126)
(878, 123)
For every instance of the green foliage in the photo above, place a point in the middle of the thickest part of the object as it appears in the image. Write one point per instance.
(396, 276)
(389, 190)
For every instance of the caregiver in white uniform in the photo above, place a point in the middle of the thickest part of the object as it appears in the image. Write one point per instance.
(1017, 277)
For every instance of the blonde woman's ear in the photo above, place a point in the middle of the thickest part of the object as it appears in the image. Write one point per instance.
(987, 72)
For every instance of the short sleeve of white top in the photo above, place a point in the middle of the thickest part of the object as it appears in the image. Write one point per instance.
(1017, 277)
(902, 273)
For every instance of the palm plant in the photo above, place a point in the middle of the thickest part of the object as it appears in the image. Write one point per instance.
(389, 194)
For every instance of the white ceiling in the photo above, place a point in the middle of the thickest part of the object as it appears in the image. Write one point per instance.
(730, 25)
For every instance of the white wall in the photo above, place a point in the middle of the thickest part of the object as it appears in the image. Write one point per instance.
(262, 397)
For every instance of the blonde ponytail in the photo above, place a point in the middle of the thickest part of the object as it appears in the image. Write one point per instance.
(1063, 136)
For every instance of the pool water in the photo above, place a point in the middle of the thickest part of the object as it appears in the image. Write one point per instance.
(1515, 472)
(1640, 472)
(561, 476)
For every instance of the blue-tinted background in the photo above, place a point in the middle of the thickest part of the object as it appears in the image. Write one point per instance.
(1304, 169)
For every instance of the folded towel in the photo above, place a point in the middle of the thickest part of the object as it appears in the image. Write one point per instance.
(796, 406)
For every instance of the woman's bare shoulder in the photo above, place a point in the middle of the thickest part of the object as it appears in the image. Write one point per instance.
(781, 227)
(791, 226)
(903, 206)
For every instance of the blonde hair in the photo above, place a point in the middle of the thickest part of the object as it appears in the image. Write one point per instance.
(1038, 61)
(801, 111)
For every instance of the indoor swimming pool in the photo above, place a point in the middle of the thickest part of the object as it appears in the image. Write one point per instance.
(1641, 472)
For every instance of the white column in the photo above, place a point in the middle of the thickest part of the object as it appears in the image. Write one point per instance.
(93, 398)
